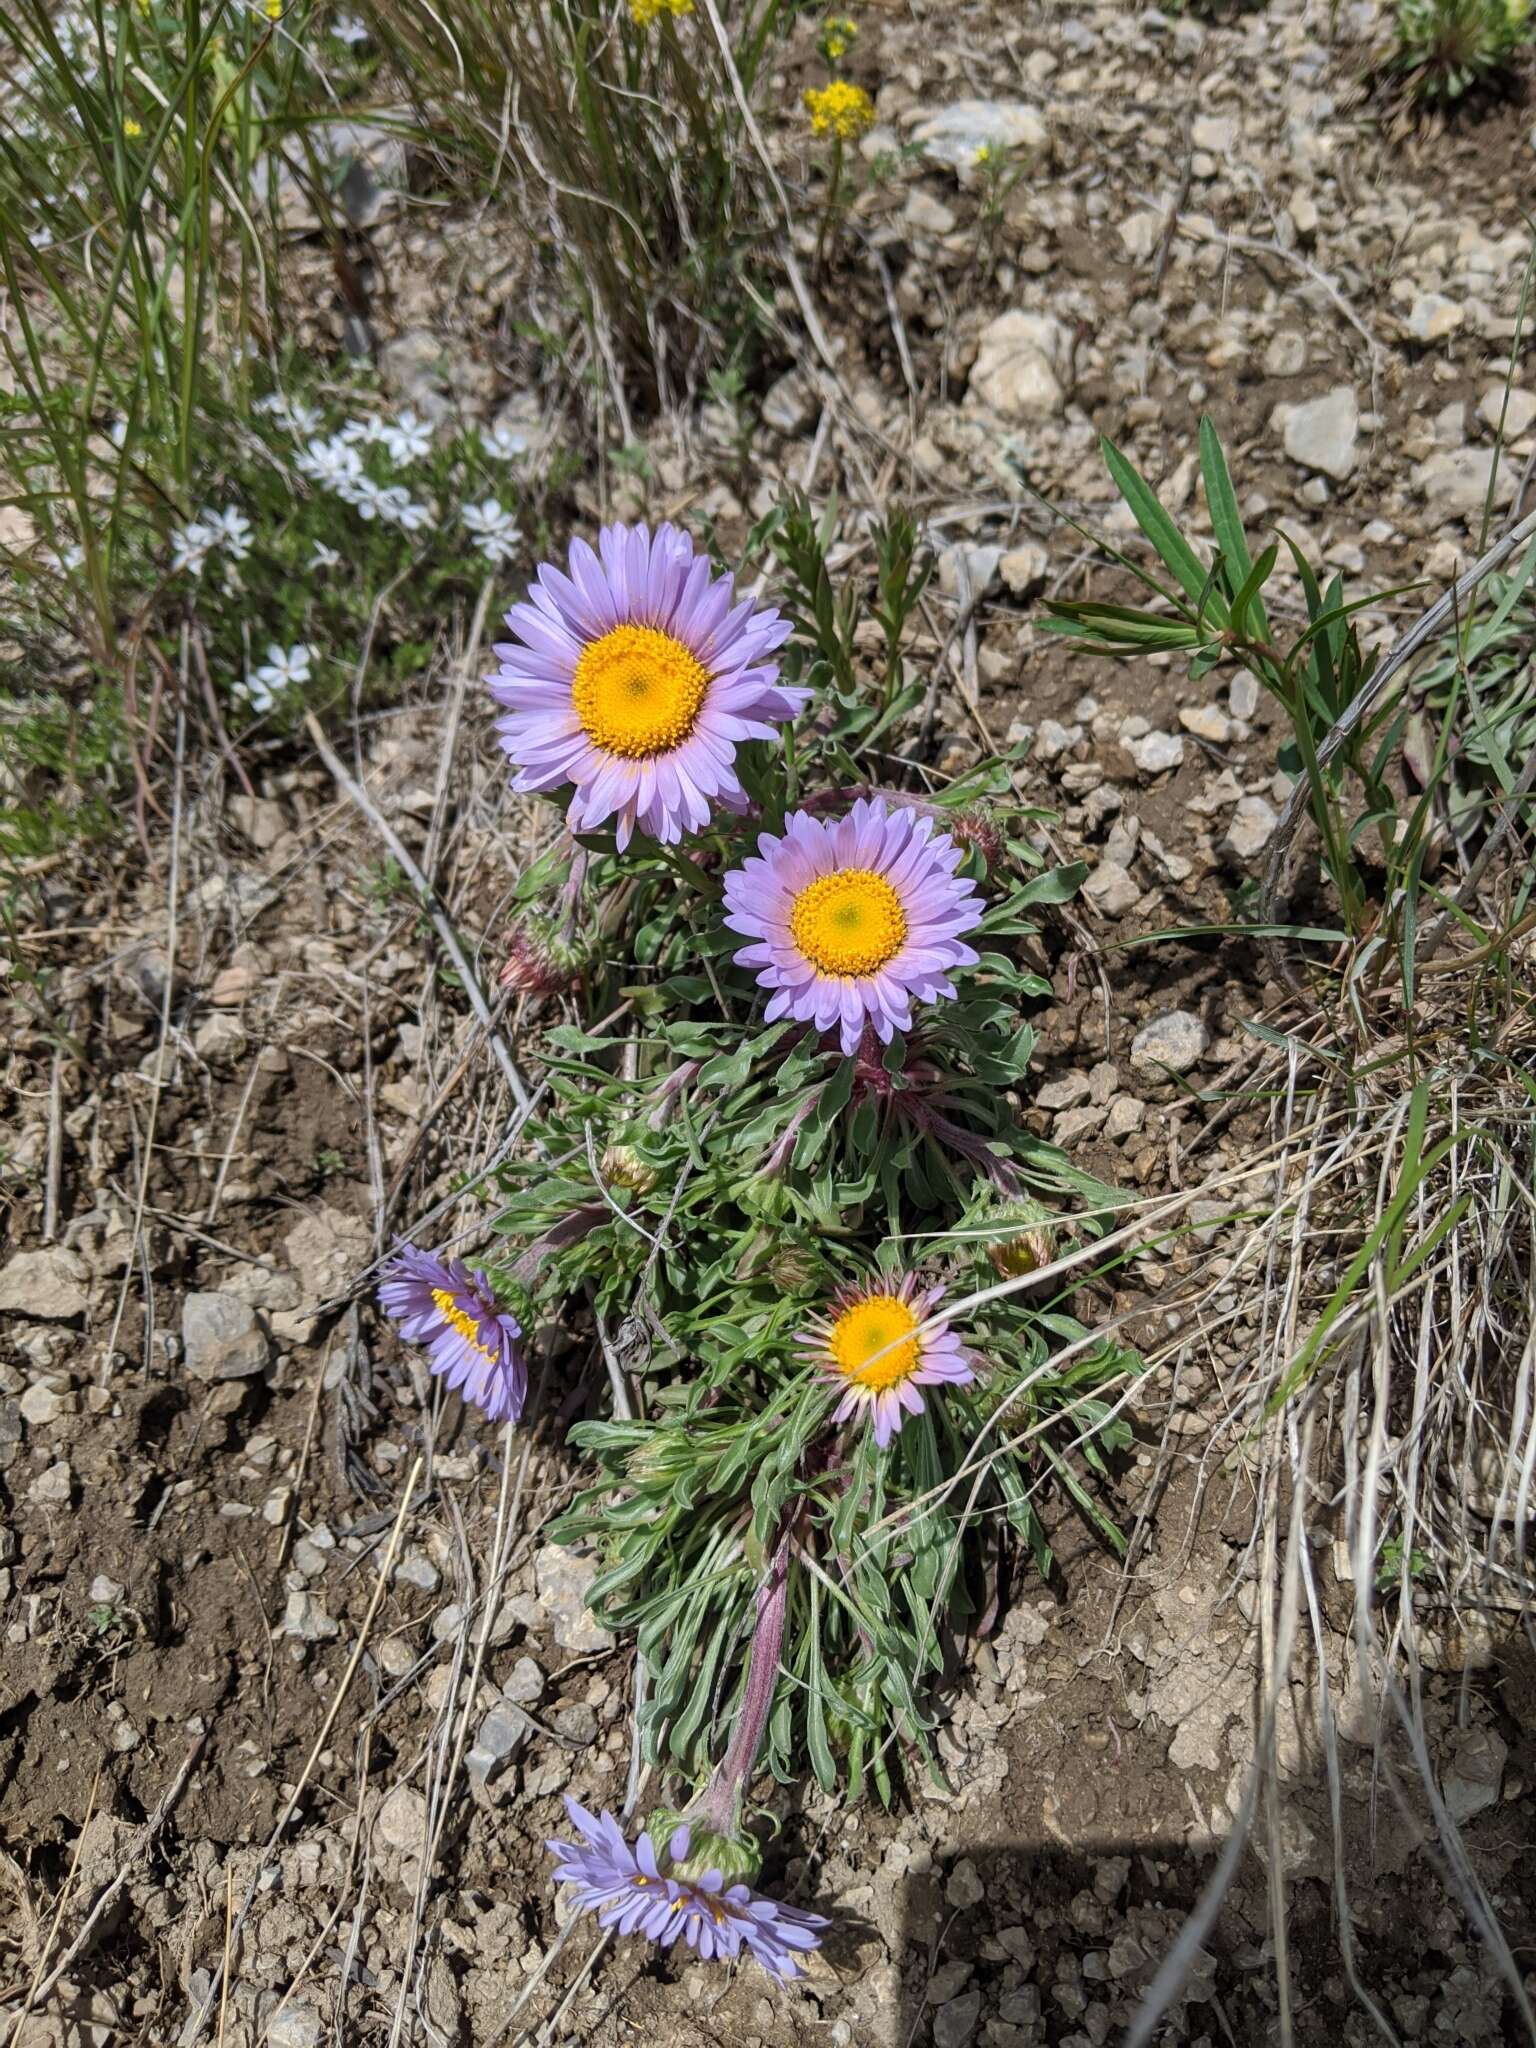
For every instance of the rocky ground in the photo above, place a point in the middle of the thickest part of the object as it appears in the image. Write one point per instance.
(231, 1078)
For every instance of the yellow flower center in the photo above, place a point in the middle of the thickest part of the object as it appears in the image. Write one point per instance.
(637, 692)
(861, 1334)
(460, 1319)
(849, 922)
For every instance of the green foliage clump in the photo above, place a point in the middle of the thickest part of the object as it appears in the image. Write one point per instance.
(1443, 48)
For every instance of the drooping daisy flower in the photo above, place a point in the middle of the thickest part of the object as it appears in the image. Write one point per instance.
(636, 678)
(470, 1339)
(853, 919)
(629, 1890)
(869, 1347)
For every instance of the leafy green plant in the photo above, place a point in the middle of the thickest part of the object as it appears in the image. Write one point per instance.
(696, 1185)
(1443, 48)
(1213, 611)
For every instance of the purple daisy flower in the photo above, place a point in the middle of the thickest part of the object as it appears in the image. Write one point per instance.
(872, 1346)
(628, 1890)
(470, 1340)
(636, 678)
(853, 921)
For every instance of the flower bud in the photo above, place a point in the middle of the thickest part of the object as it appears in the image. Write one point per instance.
(544, 958)
(1024, 1239)
(622, 1167)
(735, 1855)
(976, 826)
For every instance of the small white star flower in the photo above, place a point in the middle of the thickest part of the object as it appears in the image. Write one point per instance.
(407, 438)
(323, 557)
(347, 28)
(282, 667)
(493, 528)
(506, 441)
(231, 532)
(396, 505)
(191, 546)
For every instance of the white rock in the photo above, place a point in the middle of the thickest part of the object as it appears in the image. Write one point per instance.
(1286, 355)
(965, 1888)
(1434, 317)
(1455, 482)
(956, 134)
(502, 1734)
(1176, 1041)
(53, 1488)
(1141, 233)
(1475, 1772)
(402, 1821)
(1014, 373)
(1024, 569)
(1112, 888)
(40, 1405)
(981, 565)
(927, 214)
(561, 1580)
(1519, 419)
(1252, 827)
(1156, 752)
(1207, 722)
(306, 1618)
(296, 2026)
(1321, 433)
(525, 1687)
(1054, 739)
(222, 1338)
(1215, 132)
(789, 405)
(48, 1284)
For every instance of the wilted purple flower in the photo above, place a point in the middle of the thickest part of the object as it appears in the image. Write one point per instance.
(635, 678)
(470, 1339)
(628, 1890)
(873, 1348)
(853, 920)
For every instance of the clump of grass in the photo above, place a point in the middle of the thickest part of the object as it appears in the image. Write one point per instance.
(626, 128)
(1443, 48)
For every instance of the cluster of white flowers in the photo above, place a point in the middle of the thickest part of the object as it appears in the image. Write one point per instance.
(211, 533)
(494, 530)
(281, 667)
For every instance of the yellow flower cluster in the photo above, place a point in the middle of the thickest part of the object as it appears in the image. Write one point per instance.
(132, 129)
(643, 12)
(838, 36)
(840, 109)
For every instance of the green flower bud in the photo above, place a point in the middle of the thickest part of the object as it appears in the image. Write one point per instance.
(622, 1167)
(1022, 1237)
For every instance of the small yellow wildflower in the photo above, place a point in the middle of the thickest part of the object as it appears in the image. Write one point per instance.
(840, 109)
(272, 9)
(643, 12)
(838, 36)
(132, 129)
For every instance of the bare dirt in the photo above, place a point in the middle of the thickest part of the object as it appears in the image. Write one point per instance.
(246, 1087)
